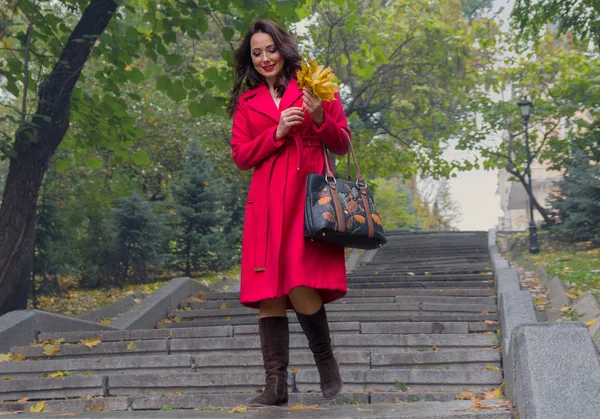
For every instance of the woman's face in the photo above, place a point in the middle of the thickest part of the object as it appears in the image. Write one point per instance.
(265, 56)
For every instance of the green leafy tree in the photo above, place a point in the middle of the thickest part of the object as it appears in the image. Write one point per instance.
(578, 204)
(395, 203)
(140, 241)
(581, 17)
(563, 83)
(202, 216)
(47, 45)
(409, 72)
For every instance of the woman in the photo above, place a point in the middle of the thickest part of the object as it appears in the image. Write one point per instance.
(279, 131)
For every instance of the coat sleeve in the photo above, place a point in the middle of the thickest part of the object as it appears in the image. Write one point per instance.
(248, 151)
(330, 130)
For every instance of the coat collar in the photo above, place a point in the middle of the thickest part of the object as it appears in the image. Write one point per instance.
(263, 102)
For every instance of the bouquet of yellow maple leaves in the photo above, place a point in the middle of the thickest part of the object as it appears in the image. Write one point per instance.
(320, 81)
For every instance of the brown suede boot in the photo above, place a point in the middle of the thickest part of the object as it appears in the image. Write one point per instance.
(275, 344)
(316, 329)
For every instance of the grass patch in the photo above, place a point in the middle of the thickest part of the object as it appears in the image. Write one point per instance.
(577, 264)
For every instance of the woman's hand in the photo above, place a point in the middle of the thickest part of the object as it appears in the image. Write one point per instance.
(314, 106)
(289, 118)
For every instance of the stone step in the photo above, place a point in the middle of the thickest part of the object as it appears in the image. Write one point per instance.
(414, 307)
(398, 291)
(382, 276)
(352, 300)
(381, 316)
(224, 381)
(430, 357)
(406, 405)
(174, 363)
(378, 283)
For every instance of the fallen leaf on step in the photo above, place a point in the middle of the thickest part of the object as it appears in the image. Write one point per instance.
(590, 322)
(202, 296)
(536, 282)
(571, 296)
(294, 369)
(565, 309)
(434, 348)
(18, 358)
(6, 378)
(38, 407)
(223, 306)
(239, 409)
(539, 302)
(131, 346)
(57, 374)
(177, 319)
(464, 395)
(23, 400)
(490, 322)
(90, 343)
(492, 348)
(51, 350)
(228, 318)
(477, 405)
(488, 395)
(508, 403)
(484, 312)
(497, 392)
(411, 273)
(491, 368)
(88, 374)
(6, 357)
(427, 273)
(106, 321)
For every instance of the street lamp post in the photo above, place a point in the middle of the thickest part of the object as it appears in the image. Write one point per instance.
(526, 107)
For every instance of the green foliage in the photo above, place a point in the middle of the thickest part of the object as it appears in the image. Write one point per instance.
(201, 244)
(394, 202)
(140, 241)
(581, 17)
(409, 72)
(578, 205)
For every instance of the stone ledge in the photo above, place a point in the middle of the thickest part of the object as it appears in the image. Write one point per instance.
(21, 327)
(555, 371)
(113, 310)
(557, 292)
(156, 306)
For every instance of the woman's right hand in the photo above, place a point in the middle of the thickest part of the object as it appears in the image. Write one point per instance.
(289, 118)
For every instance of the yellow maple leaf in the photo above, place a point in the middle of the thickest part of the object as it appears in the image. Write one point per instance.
(565, 309)
(320, 81)
(6, 357)
(131, 346)
(90, 343)
(57, 374)
(51, 350)
(177, 319)
(106, 321)
(590, 322)
(498, 392)
(38, 407)
(539, 302)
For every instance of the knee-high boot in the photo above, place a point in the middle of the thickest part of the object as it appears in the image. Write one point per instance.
(275, 343)
(316, 329)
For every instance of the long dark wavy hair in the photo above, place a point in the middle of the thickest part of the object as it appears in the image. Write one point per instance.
(246, 76)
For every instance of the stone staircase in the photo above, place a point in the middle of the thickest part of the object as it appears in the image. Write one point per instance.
(416, 327)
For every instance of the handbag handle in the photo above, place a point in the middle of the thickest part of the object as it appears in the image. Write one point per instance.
(328, 173)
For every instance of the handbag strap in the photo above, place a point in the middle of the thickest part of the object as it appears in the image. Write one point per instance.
(329, 173)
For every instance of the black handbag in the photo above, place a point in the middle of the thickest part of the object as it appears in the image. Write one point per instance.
(341, 212)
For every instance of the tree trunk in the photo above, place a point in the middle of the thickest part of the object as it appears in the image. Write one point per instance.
(35, 144)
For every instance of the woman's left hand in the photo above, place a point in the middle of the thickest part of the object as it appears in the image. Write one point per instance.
(314, 106)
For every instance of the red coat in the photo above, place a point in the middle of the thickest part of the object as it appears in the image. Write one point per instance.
(275, 256)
